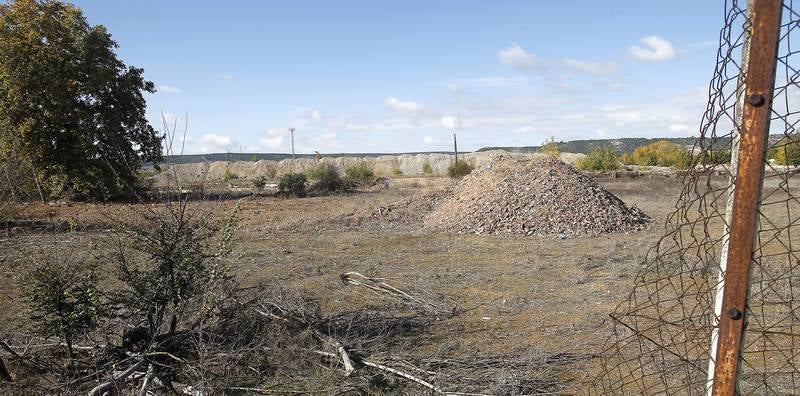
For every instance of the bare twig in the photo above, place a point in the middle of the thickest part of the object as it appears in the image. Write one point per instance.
(378, 285)
(121, 377)
(389, 370)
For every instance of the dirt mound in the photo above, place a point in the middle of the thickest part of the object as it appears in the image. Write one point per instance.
(530, 197)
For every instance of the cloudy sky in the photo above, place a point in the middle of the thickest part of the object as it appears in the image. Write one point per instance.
(380, 76)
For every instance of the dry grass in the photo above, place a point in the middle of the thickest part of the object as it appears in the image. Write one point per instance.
(519, 296)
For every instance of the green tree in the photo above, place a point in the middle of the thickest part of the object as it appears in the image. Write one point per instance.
(68, 104)
(787, 151)
(600, 159)
(660, 153)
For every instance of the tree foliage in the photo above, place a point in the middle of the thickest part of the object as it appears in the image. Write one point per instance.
(68, 105)
(660, 153)
(787, 151)
(599, 159)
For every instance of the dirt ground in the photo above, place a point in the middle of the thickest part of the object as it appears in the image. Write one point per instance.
(529, 295)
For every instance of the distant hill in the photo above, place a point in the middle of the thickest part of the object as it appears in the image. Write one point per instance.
(623, 145)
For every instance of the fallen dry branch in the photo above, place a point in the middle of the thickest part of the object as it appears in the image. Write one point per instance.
(117, 378)
(389, 370)
(378, 285)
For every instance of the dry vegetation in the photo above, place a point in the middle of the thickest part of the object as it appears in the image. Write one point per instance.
(413, 311)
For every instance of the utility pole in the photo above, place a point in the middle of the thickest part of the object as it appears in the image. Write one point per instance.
(455, 146)
(291, 130)
(748, 162)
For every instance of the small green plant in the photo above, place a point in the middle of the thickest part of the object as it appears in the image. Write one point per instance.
(599, 159)
(229, 176)
(426, 168)
(271, 172)
(360, 172)
(396, 171)
(459, 169)
(550, 148)
(293, 184)
(260, 182)
(63, 299)
(326, 177)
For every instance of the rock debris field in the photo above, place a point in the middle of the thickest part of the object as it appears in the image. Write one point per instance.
(544, 197)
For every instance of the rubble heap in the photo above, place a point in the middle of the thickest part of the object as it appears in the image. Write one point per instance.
(529, 197)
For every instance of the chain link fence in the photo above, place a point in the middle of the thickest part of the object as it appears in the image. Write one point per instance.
(662, 334)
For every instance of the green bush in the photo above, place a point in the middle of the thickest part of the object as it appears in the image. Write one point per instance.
(360, 172)
(787, 151)
(426, 168)
(550, 148)
(63, 299)
(716, 157)
(169, 261)
(599, 159)
(459, 169)
(660, 153)
(396, 171)
(229, 176)
(260, 182)
(293, 184)
(326, 177)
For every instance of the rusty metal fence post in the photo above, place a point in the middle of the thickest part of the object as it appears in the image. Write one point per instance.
(759, 81)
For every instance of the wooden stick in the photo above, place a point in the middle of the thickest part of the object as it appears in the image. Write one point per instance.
(389, 370)
(147, 381)
(121, 377)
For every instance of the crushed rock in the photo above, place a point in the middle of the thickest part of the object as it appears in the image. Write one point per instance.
(542, 196)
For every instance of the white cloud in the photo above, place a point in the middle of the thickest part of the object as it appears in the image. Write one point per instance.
(517, 57)
(451, 122)
(168, 89)
(403, 106)
(428, 139)
(591, 67)
(453, 88)
(678, 128)
(655, 49)
(274, 138)
(227, 77)
(212, 143)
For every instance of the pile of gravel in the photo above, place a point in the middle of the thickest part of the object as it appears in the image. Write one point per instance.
(526, 197)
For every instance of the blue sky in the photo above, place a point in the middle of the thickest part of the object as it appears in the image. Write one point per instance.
(366, 76)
